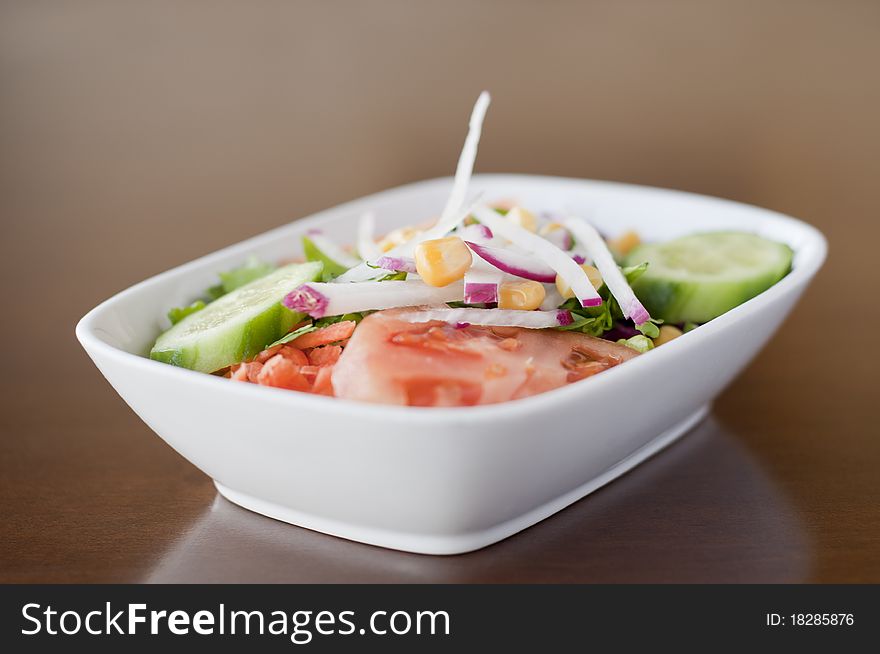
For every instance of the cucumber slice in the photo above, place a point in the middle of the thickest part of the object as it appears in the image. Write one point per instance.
(697, 278)
(237, 326)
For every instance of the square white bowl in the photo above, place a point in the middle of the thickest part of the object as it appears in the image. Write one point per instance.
(442, 480)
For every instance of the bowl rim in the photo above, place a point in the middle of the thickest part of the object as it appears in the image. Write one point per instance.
(801, 274)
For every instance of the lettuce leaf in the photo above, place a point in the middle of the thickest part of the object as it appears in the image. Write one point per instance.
(639, 343)
(650, 328)
(251, 270)
(215, 292)
(595, 321)
(176, 314)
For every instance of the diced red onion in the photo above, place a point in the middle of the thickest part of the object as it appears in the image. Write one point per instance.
(514, 263)
(564, 317)
(480, 293)
(400, 264)
(481, 283)
(306, 299)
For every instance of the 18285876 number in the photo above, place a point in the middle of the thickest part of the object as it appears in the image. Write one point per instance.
(810, 620)
(822, 619)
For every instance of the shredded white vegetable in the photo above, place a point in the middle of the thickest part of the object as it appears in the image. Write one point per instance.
(491, 317)
(552, 298)
(453, 213)
(369, 296)
(544, 250)
(367, 247)
(367, 270)
(465, 167)
(476, 233)
(588, 238)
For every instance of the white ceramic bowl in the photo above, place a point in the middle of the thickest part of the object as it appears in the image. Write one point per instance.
(434, 480)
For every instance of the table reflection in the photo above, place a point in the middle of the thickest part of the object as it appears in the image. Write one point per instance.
(702, 510)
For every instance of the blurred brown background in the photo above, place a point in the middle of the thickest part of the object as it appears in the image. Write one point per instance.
(135, 136)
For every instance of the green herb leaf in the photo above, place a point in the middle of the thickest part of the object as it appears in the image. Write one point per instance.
(296, 333)
(594, 321)
(395, 276)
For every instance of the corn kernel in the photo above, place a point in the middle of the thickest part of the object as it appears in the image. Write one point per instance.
(549, 228)
(593, 274)
(523, 217)
(525, 295)
(625, 243)
(398, 237)
(441, 261)
(667, 333)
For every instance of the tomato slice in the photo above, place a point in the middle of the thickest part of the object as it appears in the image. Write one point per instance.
(392, 361)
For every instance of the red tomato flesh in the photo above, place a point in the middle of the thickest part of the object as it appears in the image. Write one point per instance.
(391, 361)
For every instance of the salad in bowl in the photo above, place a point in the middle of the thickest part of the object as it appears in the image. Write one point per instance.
(491, 301)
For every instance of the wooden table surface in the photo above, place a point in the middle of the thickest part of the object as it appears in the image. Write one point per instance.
(136, 137)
